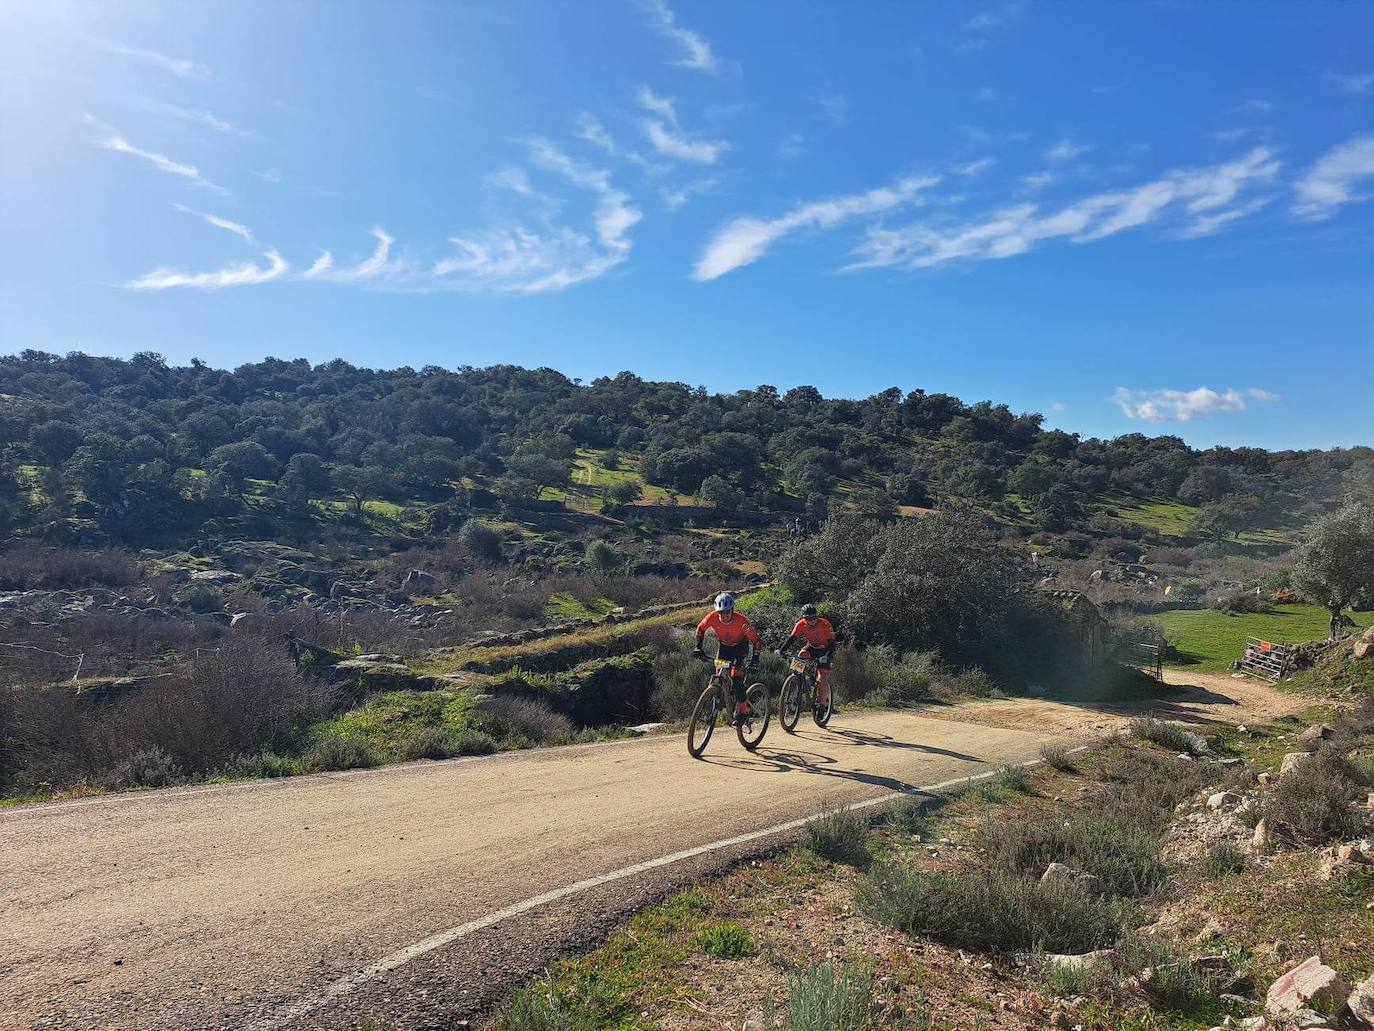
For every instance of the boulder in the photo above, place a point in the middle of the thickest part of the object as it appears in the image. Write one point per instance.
(1311, 738)
(1340, 861)
(1224, 800)
(1310, 983)
(1363, 650)
(1361, 1001)
(1292, 761)
(1260, 840)
(419, 583)
(215, 577)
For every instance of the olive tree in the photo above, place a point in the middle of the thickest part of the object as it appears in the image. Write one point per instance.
(1335, 565)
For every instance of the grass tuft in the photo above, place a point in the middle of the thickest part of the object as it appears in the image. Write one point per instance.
(1058, 757)
(830, 998)
(727, 940)
(841, 837)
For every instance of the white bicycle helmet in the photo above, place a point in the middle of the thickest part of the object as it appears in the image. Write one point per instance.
(725, 603)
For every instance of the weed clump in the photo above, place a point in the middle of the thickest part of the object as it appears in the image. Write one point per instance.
(830, 998)
(1223, 860)
(1058, 758)
(525, 720)
(147, 768)
(430, 743)
(841, 837)
(726, 940)
(1313, 802)
(908, 815)
(334, 752)
(1170, 736)
(992, 909)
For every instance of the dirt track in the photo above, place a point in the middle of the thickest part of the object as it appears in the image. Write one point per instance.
(224, 906)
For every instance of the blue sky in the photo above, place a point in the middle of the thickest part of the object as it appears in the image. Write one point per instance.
(1152, 216)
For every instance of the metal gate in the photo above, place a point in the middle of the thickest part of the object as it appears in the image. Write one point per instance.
(1264, 659)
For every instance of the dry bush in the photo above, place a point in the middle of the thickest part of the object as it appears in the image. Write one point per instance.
(525, 719)
(30, 567)
(1313, 803)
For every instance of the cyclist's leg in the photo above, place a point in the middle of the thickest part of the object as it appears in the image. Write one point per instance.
(823, 679)
(736, 653)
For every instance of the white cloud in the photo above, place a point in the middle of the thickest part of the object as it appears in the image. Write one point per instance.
(179, 66)
(1328, 184)
(1066, 150)
(243, 274)
(205, 118)
(977, 167)
(160, 161)
(835, 107)
(1183, 405)
(1038, 180)
(1203, 197)
(591, 130)
(513, 179)
(675, 197)
(996, 17)
(236, 228)
(667, 137)
(523, 260)
(1356, 85)
(696, 52)
(373, 267)
(1057, 406)
(745, 240)
(1206, 225)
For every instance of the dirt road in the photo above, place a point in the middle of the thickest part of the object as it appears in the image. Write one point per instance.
(256, 904)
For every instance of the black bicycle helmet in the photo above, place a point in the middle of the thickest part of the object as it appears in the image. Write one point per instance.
(808, 611)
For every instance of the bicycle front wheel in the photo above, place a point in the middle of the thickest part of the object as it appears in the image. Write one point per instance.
(824, 712)
(790, 703)
(752, 727)
(703, 721)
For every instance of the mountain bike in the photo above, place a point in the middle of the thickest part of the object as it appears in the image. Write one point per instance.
(719, 699)
(800, 689)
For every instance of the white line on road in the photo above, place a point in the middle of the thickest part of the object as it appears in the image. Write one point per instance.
(351, 983)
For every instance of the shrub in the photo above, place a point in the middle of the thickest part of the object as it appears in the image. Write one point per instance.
(149, 768)
(473, 742)
(1313, 803)
(879, 673)
(1243, 601)
(481, 540)
(1059, 758)
(974, 683)
(841, 837)
(266, 765)
(1100, 841)
(991, 909)
(537, 1009)
(200, 598)
(334, 752)
(1223, 860)
(678, 681)
(1169, 735)
(601, 558)
(1010, 777)
(29, 567)
(524, 719)
(726, 940)
(430, 743)
(908, 815)
(830, 998)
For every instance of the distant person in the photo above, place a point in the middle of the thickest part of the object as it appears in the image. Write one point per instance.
(820, 640)
(736, 640)
(1337, 625)
(1035, 560)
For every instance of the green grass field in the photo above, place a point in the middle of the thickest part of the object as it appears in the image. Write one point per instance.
(1209, 641)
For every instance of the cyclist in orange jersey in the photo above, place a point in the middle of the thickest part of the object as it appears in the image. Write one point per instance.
(736, 640)
(819, 635)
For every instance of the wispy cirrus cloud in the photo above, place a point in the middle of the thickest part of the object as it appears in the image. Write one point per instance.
(236, 228)
(373, 267)
(203, 118)
(551, 257)
(1066, 150)
(999, 17)
(161, 162)
(976, 167)
(1330, 182)
(1357, 85)
(696, 52)
(1185, 405)
(1204, 197)
(746, 240)
(241, 274)
(181, 67)
(667, 137)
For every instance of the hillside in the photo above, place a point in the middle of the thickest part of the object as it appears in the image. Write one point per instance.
(141, 453)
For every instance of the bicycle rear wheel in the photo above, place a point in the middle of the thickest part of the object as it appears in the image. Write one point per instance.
(790, 703)
(752, 728)
(703, 720)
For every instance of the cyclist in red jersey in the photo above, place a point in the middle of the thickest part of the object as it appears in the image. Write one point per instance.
(736, 640)
(820, 639)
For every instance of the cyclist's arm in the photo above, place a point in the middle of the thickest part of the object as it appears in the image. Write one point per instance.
(701, 632)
